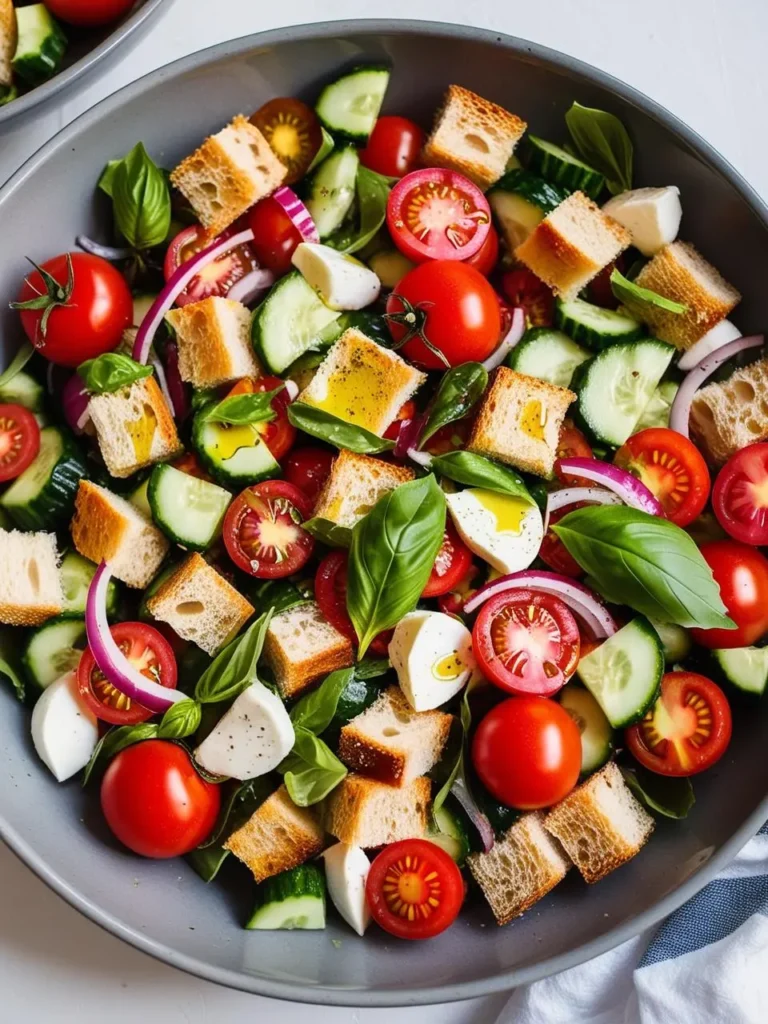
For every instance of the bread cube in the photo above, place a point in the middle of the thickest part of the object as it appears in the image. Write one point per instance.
(8, 40)
(355, 484)
(472, 136)
(230, 172)
(301, 647)
(214, 340)
(363, 812)
(30, 586)
(729, 416)
(572, 245)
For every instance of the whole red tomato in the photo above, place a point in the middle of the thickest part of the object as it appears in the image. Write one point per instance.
(89, 12)
(741, 572)
(89, 306)
(155, 801)
(394, 146)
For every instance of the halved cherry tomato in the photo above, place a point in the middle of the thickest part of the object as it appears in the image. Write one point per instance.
(553, 551)
(19, 440)
(437, 214)
(188, 463)
(686, 730)
(449, 438)
(393, 147)
(293, 132)
(217, 278)
(279, 434)
(741, 573)
(524, 289)
(526, 642)
(451, 565)
(740, 495)
(308, 468)
(452, 603)
(572, 444)
(487, 256)
(414, 889)
(262, 530)
(148, 651)
(671, 467)
(331, 595)
(275, 237)
(406, 412)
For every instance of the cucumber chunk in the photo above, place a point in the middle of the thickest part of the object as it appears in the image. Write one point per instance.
(76, 574)
(24, 390)
(675, 640)
(289, 322)
(350, 105)
(293, 899)
(331, 190)
(188, 510)
(139, 498)
(746, 668)
(235, 456)
(521, 200)
(593, 325)
(41, 44)
(53, 650)
(43, 497)
(555, 164)
(656, 413)
(624, 673)
(452, 836)
(547, 354)
(595, 729)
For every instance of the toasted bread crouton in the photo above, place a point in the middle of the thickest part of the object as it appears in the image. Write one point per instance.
(107, 528)
(30, 586)
(472, 136)
(362, 383)
(572, 245)
(355, 484)
(727, 417)
(214, 339)
(8, 35)
(134, 427)
(520, 868)
(363, 812)
(229, 173)
(200, 605)
(277, 837)
(393, 743)
(519, 421)
(301, 647)
(600, 824)
(679, 272)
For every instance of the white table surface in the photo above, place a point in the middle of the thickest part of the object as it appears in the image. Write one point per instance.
(704, 59)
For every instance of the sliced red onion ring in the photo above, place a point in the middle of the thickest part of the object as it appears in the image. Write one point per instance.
(631, 491)
(511, 338)
(680, 412)
(570, 495)
(408, 436)
(461, 791)
(74, 401)
(106, 252)
(250, 287)
(579, 598)
(721, 334)
(177, 389)
(157, 366)
(291, 390)
(420, 458)
(111, 660)
(297, 212)
(177, 283)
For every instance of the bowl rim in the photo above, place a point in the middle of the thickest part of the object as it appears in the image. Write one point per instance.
(505, 980)
(61, 82)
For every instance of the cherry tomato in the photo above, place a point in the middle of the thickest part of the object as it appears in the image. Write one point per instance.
(218, 277)
(526, 642)
(406, 412)
(414, 889)
(599, 288)
(686, 730)
(524, 289)
(275, 238)
(452, 603)
(437, 214)
(90, 305)
(571, 445)
(394, 146)
(672, 468)
(448, 312)
(527, 752)
(155, 801)
(331, 596)
(89, 12)
(308, 468)
(742, 575)
(449, 438)
(19, 440)
(293, 132)
(487, 256)
(553, 551)
(740, 495)
(148, 651)
(188, 463)
(262, 530)
(451, 565)
(279, 434)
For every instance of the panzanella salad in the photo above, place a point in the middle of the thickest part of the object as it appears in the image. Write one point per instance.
(384, 508)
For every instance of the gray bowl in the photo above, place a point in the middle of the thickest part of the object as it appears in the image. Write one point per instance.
(163, 908)
(88, 48)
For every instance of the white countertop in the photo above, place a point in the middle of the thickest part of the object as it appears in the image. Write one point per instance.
(705, 60)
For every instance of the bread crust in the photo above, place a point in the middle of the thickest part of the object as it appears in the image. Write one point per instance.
(345, 809)
(8, 38)
(727, 417)
(294, 676)
(207, 357)
(349, 470)
(19, 606)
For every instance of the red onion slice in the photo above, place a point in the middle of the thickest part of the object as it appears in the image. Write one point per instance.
(408, 436)
(511, 338)
(106, 252)
(177, 389)
(157, 366)
(473, 812)
(299, 215)
(74, 401)
(720, 335)
(631, 491)
(420, 458)
(291, 390)
(570, 495)
(250, 287)
(681, 406)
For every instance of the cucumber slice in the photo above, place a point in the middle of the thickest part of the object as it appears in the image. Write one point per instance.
(76, 574)
(531, 187)
(547, 354)
(616, 385)
(557, 165)
(53, 650)
(331, 190)
(675, 640)
(188, 510)
(656, 413)
(43, 497)
(350, 105)
(521, 200)
(24, 390)
(746, 668)
(41, 44)
(144, 614)
(139, 498)
(452, 836)
(293, 899)
(595, 326)
(624, 673)
(141, 306)
(595, 729)
(235, 456)
(289, 322)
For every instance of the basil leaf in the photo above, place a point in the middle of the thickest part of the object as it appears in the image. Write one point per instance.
(336, 431)
(240, 410)
(478, 471)
(465, 721)
(180, 720)
(202, 398)
(645, 562)
(602, 142)
(311, 770)
(328, 532)
(372, 195)
(117, 739)
(17, 364)
(393, 550)
(207, 862)
(107, 179)
(459, 390)
(235, 668)
(276, 595)
(240, 800)
(110, 372)
(326, 148)
(141, 199)
(636, 298)
(372, 668)
(315, 711)
(664, 794)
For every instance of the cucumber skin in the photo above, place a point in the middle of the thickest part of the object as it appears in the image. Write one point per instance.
(340, 133)
(34, 69)
(55, 505)
(529, 339)
(26, 656)
(589, 337)
(222, 476)
(569, 176)
(154, 484)
(304, 881)
(310, 185)
(531, 187)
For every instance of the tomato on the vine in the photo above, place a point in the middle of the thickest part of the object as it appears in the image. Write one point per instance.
(741, 573)
(275, 236)
(740, 495)
(308, 468)
(393, 147)
(89, 13)
(522, 288)
(451, 565)
(293, 132)
(671, 467)
(215, 279)
(278, 434)
(262, 530)
(19, 440)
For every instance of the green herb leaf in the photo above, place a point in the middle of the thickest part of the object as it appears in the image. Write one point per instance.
(240, 410)
(671, 797)
(141, 198)
(372, 668)
(459, 390)
(465, 721)
(311, 770)
(276, 595)
(645, 562)
(636, 298)
(240, 800)
(117, 739)
(315, 711)
(393, 550)
(336, 431)
(107, 180)
(235, 668)
(602, 141)
(372, 195)
(110, 372)
(207, 862)
(326, 148)
(180, 720)
(9, 666)
(476, 471)
(17, 364)
(328, 532)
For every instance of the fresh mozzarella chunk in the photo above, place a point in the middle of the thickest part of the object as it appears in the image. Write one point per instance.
(64, 730)
(346, 871)
(251, 739)
(505, 531)
(341, 281)
(651, 215)
(710, 342)
(432, 655)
